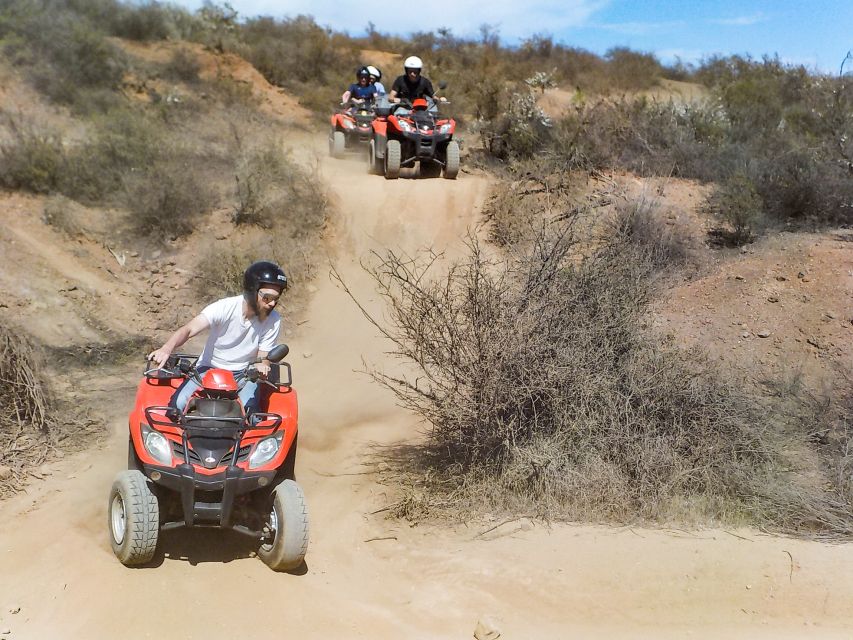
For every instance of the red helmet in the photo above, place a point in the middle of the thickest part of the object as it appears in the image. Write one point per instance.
(419, 104)
(218, 380)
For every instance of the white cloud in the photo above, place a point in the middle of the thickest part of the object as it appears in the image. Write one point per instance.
(741, 21)
(512, 18)
(641, 28)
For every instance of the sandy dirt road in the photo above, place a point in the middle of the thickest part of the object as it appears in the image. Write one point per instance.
(368, 577)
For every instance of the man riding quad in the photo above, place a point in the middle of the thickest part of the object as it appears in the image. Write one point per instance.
(242, 329)
(362, 92)
(412, 85)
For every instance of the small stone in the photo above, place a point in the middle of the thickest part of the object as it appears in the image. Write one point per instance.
(814, 342)
(805, 279)
(748, 587)
(772, 299)
(5, 472)
(15, 609)
(801, 275)
(744, 250)
(5, 632)
(486, 629)
(155, 269)
(156, 254)
(745, 334)
(764, 333)
(781, 278)
(221, 236)
(134, 254)
(307, 354)
(830, 315)
(739, 278)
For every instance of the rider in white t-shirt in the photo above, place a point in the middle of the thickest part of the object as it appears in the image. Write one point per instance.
(242, 329)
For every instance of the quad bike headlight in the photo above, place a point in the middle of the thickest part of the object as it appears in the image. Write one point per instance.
(156, 445)
(405, 126)
(348, 124)
(265, 450)
(445, 128)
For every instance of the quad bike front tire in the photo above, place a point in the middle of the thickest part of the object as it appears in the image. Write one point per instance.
(393, 156)
(337, 144)
(451, 162)
(288, 523)
(133, 517)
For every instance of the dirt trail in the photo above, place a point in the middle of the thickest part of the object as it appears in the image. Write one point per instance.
(372, 578)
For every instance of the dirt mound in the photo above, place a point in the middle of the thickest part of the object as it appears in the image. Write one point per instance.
(272, 100)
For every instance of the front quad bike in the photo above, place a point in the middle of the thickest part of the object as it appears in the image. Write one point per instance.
(406, 134)
(351, 129)
(210, 465)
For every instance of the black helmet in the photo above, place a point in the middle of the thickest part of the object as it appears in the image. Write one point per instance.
(260, 273)
(362, 73)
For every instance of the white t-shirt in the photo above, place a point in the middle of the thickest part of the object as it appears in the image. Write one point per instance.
(233, 341)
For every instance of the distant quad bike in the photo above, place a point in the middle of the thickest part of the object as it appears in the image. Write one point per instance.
(405, 134)
(210, 465)
(351, 129)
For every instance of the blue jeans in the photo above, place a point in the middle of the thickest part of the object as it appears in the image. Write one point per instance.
(248, 392)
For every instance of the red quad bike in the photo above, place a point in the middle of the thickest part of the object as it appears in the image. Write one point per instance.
(211, 465)
(351, 128)
(400, 139)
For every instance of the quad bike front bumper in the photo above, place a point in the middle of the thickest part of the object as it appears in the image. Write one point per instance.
(198, 493)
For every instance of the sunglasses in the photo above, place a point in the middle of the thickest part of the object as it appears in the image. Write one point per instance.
(269, 297)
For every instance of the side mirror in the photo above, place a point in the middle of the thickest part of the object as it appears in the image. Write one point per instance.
(278, 353)
(442, 85)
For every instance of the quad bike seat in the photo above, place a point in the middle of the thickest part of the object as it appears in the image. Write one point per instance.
(203, 412)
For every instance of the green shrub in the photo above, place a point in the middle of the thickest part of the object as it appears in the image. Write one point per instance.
(737, 202)
(63, 215)
(31, 160)
(183, 66)
(273, 191)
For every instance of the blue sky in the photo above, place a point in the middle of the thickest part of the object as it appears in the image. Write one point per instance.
(818, 34)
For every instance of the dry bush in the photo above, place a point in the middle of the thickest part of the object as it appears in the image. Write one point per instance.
(63, 215)
(274, 191)
(639, 222)
(167, 199)
(545, 393)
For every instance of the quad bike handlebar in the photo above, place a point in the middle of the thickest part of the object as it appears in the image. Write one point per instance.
(183, 365)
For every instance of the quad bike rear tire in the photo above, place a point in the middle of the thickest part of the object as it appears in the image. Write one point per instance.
(393, 156)
(451, 163)
(337, 144)
(289, 521)
(374, 164)
(133, 517)
(429, 169)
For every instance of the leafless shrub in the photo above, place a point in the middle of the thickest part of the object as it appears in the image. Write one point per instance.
(24, 400)
(544, 393)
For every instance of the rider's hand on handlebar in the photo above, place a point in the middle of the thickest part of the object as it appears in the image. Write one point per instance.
(263, 369)
(159, 357)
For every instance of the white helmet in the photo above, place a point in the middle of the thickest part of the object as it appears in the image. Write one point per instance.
(413, 62)
(376, 73)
